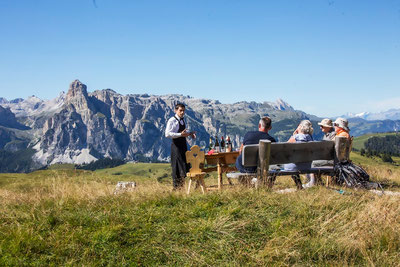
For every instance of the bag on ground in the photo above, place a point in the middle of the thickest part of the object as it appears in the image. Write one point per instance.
(351, 175)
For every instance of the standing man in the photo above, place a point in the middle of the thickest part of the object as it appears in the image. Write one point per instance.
(254, 137)
(176, 130)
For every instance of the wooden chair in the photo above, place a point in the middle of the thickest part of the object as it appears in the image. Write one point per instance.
(195, 157)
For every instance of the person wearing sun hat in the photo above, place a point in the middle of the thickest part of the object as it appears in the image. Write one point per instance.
(342, 127)
(328, 130)
(329, 135)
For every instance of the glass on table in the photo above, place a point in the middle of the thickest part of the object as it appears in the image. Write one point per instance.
(203, 145)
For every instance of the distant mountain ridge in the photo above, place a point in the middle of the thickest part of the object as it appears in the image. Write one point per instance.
(391, 114)
(81, 126)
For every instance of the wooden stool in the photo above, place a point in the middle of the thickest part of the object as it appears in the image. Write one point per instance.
(195, 157)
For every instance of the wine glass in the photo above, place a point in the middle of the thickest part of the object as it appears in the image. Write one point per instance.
(203, 145)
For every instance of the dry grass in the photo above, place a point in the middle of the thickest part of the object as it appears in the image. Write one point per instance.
(385, 173)
(73, 218)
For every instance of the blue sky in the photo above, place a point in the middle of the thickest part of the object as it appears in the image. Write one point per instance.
(324, 57)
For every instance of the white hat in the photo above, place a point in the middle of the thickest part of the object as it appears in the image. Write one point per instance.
(342, 123)
(326, 123)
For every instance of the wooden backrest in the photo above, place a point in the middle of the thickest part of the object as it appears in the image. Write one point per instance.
(281, 153)
(250, 155)
(195, 157)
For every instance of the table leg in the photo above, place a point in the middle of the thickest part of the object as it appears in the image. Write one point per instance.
(226, 170)
(219, 170)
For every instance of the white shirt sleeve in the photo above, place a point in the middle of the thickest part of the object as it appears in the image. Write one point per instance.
(171, 131)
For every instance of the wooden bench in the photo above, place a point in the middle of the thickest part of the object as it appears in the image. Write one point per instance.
(266, 153)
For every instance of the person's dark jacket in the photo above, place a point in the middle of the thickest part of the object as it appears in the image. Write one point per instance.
(251, 138)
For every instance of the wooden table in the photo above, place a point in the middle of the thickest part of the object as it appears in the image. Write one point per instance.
(222, 161)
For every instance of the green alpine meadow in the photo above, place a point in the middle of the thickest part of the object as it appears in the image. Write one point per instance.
(64, 216)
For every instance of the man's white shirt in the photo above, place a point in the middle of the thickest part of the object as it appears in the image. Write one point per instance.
(171, 131)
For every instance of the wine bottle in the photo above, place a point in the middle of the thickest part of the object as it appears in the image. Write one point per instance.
(210, 144)
(222, 144)
(217, 148)
(228, 144)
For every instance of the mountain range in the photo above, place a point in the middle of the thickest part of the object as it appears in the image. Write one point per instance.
(80, 126)
(391, 114)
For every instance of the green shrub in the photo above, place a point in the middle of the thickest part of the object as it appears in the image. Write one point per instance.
(102, 164)
(387, 158)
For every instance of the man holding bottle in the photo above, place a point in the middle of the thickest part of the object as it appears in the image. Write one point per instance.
(176, 130)
(254, 137)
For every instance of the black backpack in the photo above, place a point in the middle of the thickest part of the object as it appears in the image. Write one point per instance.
(350, 175)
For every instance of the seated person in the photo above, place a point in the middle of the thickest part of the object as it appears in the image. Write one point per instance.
(342, 127)
(302, 134)
(329, 135)
(254, 137)
(328, 130)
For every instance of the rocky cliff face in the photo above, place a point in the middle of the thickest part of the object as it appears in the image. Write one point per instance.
(80, 126)
(106, 124)
(7, 119)
(10, 131)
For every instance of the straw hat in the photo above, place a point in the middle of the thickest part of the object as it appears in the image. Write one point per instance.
(342, 123)
(326, 123)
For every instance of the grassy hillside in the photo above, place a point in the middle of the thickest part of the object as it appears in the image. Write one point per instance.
(359, 141)
(358, 144)
(72, 217)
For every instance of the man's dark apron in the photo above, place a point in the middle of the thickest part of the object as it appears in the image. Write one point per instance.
(178, 157)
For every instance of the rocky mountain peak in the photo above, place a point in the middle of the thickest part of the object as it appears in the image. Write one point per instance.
(16, 101)
(77, 89)
(77, 96)
(282, 105)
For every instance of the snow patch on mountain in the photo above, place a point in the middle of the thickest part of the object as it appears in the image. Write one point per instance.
(391, 114)
(82, 156)
(33, 106)
(279, 104)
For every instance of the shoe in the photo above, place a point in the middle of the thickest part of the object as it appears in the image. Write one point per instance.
(308, 185)
(311, 182)
(254, 182)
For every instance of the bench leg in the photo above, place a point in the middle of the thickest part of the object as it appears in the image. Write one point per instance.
(244, 180)
(190, 183)
(329, 180)
(271, 180)
(297, 180)
(202, 185)
(318, 179)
